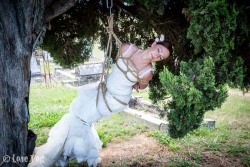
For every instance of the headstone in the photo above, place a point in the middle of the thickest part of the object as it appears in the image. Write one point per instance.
(47, 56)
(35, 67)
(89, 69)
(89, 72)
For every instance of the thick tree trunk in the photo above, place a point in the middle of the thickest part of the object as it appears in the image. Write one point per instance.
(18, 19)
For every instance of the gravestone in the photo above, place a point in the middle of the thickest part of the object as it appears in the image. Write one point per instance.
(47, 56)
(89, 72)
(147, 113)
(35, 67)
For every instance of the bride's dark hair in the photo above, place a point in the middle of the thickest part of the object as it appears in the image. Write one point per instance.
(166, 43)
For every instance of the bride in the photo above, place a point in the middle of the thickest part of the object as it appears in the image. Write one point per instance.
(74, 136)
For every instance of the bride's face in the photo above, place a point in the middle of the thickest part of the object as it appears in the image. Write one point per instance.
(158, 52)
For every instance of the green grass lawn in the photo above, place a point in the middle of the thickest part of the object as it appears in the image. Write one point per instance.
(142, 93)
(48, 105)
(230, 139)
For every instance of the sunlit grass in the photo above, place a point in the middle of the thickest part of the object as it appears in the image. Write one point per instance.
(230, 138)
(48, 105)
(142, 93)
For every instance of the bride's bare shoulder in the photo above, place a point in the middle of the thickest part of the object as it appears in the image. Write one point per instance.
(128, 48)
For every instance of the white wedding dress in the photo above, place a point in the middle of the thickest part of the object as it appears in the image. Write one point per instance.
(74, 136)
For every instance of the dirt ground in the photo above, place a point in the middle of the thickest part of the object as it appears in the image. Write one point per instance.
(144, 151)
(238, 93)
(139, 150)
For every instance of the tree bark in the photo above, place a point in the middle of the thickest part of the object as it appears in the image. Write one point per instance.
(57, 8)
(18, 24)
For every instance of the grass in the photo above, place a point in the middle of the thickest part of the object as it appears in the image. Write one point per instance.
(228, 141)
(142, 93)
(230, 138)
(48, 105)
(118, 126)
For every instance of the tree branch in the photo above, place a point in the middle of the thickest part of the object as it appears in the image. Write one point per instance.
(131, 10)
(57, 8)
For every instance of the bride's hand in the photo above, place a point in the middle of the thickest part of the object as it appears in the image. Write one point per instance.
(136, 86)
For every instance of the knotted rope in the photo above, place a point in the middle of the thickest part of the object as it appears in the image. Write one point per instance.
(105, 70)
(109, 44)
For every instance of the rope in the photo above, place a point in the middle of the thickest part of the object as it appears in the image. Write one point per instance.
(109, 44)
(107, 58)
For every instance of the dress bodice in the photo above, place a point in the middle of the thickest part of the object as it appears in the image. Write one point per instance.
(118, 82)
(93, 102)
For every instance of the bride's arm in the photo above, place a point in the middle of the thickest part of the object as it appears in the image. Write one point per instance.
(143, 82)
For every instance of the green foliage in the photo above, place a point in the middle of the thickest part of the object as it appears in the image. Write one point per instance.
(246, 160)
(198, 85)
(156, 90)
(152, 6)
(212, 27)
(155, 5)
(230, 137)
(212, 32)
(70, 36)
(218, 29)
(193, 92)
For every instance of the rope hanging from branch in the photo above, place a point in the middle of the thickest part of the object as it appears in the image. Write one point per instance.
(105, 71)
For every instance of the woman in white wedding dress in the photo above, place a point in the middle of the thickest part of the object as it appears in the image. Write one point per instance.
(74, 136)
